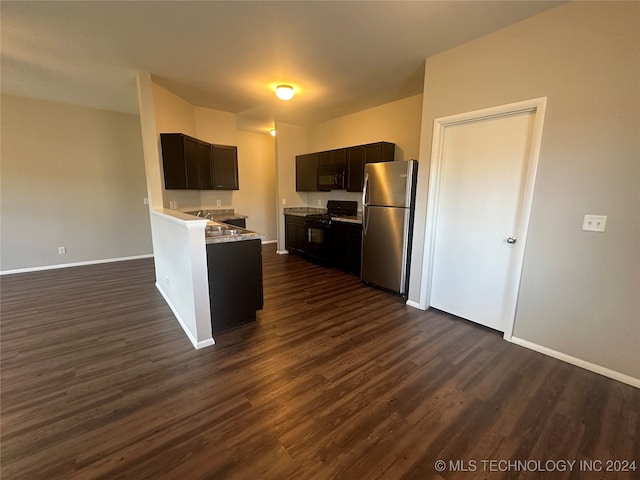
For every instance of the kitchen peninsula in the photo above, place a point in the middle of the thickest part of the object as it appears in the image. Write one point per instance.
(209, 272)
(234, 265)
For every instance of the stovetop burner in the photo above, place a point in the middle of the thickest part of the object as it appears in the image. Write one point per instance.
(335, 208)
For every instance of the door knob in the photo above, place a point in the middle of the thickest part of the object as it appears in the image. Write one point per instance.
(511, 240)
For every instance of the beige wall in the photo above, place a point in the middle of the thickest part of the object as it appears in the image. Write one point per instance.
(291, 140)
(256, 171)
(74, 177)
(396, 122)
(580, 291)
(256, 161)
(174, 115)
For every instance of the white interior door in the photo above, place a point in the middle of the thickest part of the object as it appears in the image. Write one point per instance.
(483, 178)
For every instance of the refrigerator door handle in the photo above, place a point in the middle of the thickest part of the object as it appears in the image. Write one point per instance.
(405, 252)
(365, 188)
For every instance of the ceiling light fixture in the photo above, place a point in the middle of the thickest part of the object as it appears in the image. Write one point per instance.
(284, 92)
(272, 131)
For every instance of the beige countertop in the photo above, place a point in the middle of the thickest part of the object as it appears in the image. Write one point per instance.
(303, 211)
(217, 232)
(217, 215)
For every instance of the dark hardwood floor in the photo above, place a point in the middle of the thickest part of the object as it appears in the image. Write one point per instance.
(334, 380)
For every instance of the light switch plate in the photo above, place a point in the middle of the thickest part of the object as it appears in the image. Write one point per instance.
(594, 223)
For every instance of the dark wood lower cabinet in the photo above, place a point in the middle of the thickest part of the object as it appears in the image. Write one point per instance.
(345, 242)
(235, 283)
(295, 239)
(237, 222)
(346, 247)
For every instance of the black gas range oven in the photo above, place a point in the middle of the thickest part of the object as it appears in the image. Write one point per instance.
(318, 229)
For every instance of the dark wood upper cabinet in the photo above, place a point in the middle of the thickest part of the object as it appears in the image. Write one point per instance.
(358, 156)
(173, 160)
(205, 169)
(355, 169)
(353, 157)
(225, 167)
(332, 157)
(192, 164)
(307, 172)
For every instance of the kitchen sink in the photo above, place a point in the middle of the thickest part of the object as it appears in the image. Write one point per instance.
(223, 231)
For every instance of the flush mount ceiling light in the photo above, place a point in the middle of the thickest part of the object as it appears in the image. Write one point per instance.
(284, 92)
(272, 132)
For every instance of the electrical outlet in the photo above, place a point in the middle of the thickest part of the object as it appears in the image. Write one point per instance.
(166, 281)
(145, 200)
(284, 201)
(218, 203)
(173, 204)
(319, 203)
(594, 223)
(62, 250)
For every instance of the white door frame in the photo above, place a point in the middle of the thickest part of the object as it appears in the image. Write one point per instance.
(538, 107)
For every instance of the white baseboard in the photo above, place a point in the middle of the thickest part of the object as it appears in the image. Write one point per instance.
(282, 252)
(267, 242)
(621, 377)
(197, 345)
(75, 264)
(413, 304)
(205, 343)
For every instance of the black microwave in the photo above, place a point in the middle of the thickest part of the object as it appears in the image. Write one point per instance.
(331, 177)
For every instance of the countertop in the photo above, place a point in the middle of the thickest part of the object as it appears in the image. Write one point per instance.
(228, 233)
(217, 215)
(304, 211)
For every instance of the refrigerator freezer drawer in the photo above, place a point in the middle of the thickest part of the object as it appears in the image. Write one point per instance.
(384, 247)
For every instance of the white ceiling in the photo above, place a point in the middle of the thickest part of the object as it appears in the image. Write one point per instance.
(341, 56)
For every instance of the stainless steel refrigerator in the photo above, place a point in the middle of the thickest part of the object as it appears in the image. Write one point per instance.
(388, 201)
